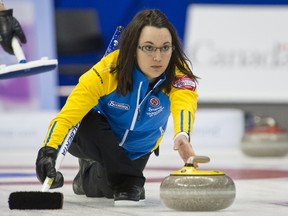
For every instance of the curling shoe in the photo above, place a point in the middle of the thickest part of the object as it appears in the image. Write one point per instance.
(78, 180)
(133, 196)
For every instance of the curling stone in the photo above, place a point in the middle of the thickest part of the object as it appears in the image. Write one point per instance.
(189, 189)
(266, 139)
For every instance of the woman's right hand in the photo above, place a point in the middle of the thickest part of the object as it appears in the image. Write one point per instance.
(45, 166)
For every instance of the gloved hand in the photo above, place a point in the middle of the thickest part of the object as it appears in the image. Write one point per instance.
(9, 27)
(45, 166)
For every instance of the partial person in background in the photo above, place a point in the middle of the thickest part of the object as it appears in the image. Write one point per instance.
(9, 27)
(123, 103)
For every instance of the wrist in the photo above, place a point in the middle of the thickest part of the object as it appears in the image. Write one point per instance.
(2, 5)
(183, 134)
(48, 151)
(6, 13)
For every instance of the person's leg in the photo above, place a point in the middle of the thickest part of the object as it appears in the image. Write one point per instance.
(95, 140)
(122, 195)
(78, 185)
(141, 164)
(96, 173)
(95, 182)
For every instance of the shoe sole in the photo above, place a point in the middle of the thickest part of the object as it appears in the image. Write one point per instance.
(129, 203)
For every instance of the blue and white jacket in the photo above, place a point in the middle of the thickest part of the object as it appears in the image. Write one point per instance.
(138, 119)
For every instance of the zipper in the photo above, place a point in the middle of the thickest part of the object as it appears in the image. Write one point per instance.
(137, 112)
(135, 116)
(138, 116)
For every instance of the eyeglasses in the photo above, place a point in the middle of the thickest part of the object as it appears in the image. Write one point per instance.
(149, 49)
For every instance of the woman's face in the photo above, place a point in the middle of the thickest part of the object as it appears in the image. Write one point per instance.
(154, 51)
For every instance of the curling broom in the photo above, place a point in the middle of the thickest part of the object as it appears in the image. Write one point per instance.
(24, 68)
(44, 199)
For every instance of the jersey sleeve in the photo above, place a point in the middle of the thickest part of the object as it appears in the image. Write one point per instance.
(183, 99)
(93, 84)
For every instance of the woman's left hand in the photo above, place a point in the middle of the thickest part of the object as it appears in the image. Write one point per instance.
(184, 147)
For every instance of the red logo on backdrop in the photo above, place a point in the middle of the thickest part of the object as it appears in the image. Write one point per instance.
(154, 101)
(184, 82)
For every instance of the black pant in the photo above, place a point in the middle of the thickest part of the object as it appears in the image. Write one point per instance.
(95, 140)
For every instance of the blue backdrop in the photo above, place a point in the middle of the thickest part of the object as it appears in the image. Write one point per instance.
(114, 12)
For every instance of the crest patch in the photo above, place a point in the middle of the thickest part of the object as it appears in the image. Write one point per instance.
(154, 102)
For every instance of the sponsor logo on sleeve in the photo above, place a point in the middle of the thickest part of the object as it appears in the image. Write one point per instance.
(184, 82)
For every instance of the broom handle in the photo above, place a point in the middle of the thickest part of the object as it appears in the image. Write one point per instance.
(18, 50)
(114, 41)
(61, 154)
(71, 133)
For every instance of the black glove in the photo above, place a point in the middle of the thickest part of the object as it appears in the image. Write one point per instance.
(45, 166)
(9, 27)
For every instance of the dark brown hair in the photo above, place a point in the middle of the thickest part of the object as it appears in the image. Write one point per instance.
(129, 43)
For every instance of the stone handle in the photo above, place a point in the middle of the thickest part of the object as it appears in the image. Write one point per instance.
(198, 159)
